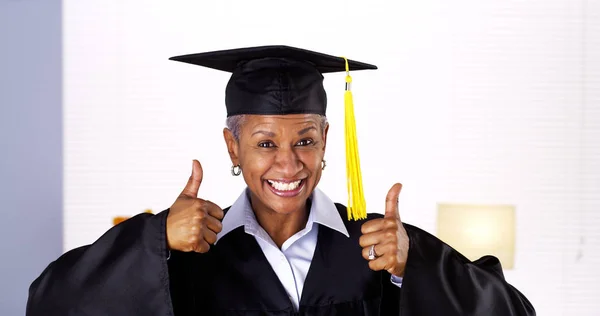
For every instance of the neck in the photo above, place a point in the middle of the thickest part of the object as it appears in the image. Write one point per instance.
(280, 227)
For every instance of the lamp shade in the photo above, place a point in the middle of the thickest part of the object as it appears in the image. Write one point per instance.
(479, 230)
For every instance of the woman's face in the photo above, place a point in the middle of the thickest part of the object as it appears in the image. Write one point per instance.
(280, 157)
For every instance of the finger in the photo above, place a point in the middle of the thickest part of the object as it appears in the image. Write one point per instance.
(213, 224)
(193, 238)
(391, 201)
(210, 236)
(382, 263)
(378, 224)
(202, 246)
(214, 210)
(379, 237)
(369, 239)
(380, 250)
(193, 184)
(372, 226)
(366, 250)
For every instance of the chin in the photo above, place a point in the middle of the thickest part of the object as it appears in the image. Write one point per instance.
(287, 207)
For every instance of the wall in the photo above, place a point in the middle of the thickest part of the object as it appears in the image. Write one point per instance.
(474, 102)
(30, 145)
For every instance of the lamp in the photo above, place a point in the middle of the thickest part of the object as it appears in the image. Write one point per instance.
(478, 230)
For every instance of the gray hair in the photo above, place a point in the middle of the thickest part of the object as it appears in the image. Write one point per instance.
(234, 124)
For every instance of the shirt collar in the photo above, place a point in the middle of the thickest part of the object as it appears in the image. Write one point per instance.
(322, 211)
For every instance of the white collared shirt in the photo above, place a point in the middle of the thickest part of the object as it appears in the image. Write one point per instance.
(292, 261)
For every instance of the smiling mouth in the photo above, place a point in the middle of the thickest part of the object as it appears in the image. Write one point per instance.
(286, 188)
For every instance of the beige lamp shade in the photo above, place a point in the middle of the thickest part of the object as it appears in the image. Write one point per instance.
(479, 230)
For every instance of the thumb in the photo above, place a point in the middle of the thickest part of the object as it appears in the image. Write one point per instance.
(391, 201)
(193, 184)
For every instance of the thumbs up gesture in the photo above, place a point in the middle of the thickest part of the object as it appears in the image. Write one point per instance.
(385, 239)
(193, 223)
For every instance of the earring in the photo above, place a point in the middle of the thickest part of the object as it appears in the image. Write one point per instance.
(323, 164)
(236, 170)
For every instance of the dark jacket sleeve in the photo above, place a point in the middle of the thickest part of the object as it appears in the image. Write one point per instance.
(124, 272)
(440, 281)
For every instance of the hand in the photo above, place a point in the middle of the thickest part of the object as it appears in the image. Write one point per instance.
(193, 223)
(389, 237)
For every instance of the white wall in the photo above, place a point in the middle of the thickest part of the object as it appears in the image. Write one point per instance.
(475, 102)
(31, 174)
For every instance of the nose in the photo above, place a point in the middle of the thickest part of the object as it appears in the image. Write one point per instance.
(287, 162)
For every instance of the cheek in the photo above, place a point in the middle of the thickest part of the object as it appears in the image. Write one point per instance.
(311, 159)
(254, 164)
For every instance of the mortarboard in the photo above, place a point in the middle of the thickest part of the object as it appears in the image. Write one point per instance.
(280, 80)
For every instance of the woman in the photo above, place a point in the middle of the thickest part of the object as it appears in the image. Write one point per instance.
(283, 247)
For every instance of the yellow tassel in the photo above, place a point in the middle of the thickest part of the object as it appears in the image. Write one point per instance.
(357, 208)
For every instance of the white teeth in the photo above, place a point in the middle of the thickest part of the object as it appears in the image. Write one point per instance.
(284, 186)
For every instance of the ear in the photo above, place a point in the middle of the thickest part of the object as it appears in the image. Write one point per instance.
(232, 146)
(325, 137)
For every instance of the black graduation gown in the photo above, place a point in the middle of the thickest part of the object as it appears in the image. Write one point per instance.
(126, 272)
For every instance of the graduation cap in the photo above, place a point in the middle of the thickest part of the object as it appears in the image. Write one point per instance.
(281, 80)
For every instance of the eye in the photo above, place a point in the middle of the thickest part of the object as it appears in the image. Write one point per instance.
(305, 142)
(267, 144)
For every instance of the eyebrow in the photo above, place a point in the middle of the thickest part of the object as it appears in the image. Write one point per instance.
(270, 134)
(305, 130)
